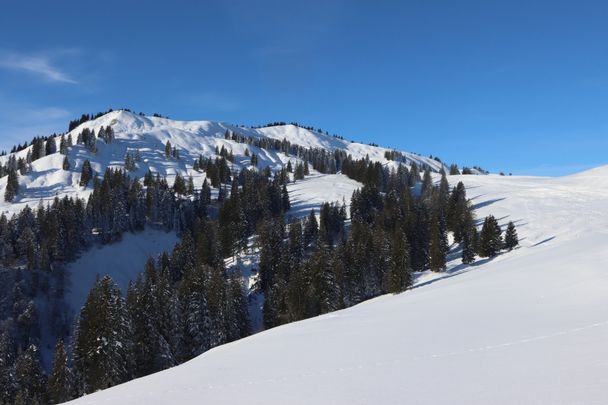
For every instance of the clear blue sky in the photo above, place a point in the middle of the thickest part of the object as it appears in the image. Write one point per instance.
(517, 86)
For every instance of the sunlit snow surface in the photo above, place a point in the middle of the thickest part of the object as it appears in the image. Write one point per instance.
(528, 327)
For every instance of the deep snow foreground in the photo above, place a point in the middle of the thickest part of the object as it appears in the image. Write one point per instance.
(528, 327)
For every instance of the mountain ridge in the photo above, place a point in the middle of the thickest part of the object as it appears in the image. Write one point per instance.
(148, 135)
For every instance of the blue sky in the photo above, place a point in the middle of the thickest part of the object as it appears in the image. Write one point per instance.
(514, 86)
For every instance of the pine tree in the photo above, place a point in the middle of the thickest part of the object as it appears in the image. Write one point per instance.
(86, 174)
(63, 146)
(30, 378)
(443, 192)
(271, 249)
(299, 172)
(129, 162)
(148, 305)
(102, 343)
(168, 150)
(436, 254)
(221, 195)
(7, 370)
(398, 278)
(51, 146)
(296, 244)
(190, 186)
(511, 238)
(311, 229)
(457, 206)
(59, 386)
(285, 199)
(27, 247)
(427, 184)
(12, 186)
(217, 298)
(179, 186)
(419, 237)
(437, 245)
(66, 163)
(237, 316)
(490, 240)
(468, 248)
(194, 313)
(469, 238)
(204, 199)
(328, 288)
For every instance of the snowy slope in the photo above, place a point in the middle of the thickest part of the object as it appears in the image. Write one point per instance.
(317, 189)
(528, 327)
(122, 261)
(150, 134)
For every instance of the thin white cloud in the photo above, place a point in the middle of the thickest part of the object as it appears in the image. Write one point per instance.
(36, 64)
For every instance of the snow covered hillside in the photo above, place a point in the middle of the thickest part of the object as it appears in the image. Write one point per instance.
(122, 261)
(148, 136)
(47, 177)
(527, 327)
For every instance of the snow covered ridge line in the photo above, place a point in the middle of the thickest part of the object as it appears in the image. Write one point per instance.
(128, 124)
(390, 154)
(52, 167)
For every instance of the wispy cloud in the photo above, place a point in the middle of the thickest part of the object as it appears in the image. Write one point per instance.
(40, 65)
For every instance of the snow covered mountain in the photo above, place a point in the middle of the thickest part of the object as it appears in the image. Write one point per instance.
(526, 327)
(47, 178)
(149, 135)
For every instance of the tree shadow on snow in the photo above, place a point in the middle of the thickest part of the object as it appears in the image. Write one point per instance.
(456, 271)
(543, 241)
(488, 202)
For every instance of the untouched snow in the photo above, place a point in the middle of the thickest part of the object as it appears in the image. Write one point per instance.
(317, 189)
(527, 327)
(122, 261)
